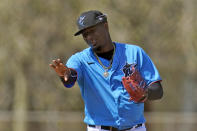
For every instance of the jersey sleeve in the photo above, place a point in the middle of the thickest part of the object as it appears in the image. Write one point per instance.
(75, 64)
(147, 68)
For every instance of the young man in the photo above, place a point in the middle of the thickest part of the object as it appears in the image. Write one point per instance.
(115, 79)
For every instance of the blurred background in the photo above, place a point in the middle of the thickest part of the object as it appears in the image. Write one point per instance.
(34, 32)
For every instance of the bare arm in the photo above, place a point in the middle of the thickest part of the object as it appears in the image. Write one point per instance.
(155, 91)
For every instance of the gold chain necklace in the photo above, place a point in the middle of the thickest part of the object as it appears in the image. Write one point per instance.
(106, 73)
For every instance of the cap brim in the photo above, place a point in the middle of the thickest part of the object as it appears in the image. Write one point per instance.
(78, 33)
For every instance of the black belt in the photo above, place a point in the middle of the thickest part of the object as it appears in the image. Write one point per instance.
(115, 129)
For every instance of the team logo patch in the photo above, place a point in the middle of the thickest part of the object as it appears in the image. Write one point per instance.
(81, 20)
(100, 18)
(128, 69)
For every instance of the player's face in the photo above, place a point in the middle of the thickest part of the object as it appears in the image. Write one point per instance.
(96, 37)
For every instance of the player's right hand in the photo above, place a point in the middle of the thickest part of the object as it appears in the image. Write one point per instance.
(60, 69)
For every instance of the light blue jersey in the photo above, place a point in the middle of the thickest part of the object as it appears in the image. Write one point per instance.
(106, 101)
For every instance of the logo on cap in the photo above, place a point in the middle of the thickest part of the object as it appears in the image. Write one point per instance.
(81, 20)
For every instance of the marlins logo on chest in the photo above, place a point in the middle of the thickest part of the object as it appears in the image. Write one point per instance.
(128, 69)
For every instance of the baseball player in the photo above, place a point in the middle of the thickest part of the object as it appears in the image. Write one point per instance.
(115, 79)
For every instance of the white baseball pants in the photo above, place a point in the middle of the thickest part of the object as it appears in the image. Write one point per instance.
(98, 128)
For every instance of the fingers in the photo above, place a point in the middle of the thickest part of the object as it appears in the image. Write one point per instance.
(62, 65)
(55, 63)
(51, 65)
(60, 68)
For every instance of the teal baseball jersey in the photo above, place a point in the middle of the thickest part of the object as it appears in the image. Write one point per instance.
(106, 100)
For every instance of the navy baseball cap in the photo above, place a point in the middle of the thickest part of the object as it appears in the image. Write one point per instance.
(89, 19)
